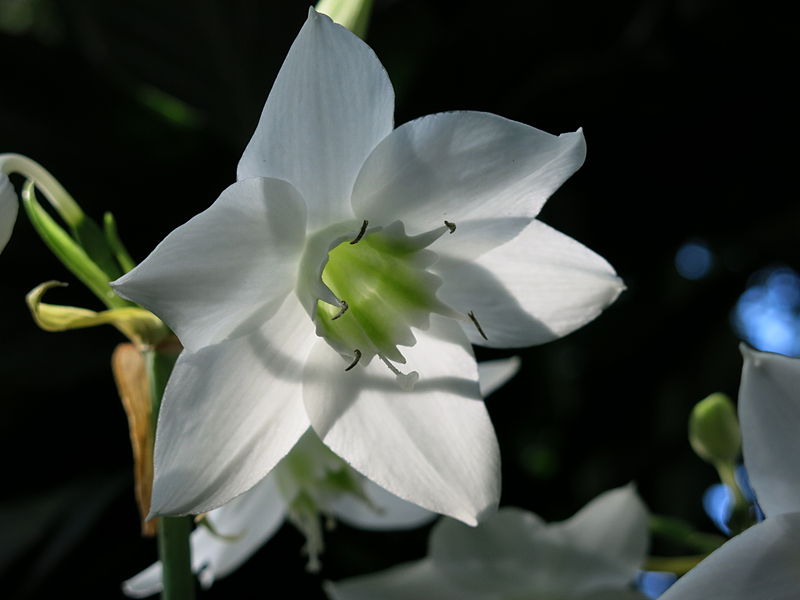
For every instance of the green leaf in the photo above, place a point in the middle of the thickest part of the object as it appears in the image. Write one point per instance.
(117, 247)
(94, 242)
(68, 251)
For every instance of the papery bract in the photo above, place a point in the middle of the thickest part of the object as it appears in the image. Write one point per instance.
(339, 282)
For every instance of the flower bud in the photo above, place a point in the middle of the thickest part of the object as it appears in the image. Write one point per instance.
(714, 430)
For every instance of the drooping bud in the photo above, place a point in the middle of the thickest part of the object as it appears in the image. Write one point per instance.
(714, 430)
(140, 326)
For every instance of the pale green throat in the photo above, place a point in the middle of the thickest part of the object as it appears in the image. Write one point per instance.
(385, 289)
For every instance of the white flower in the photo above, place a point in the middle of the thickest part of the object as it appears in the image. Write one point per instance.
(514, 555)
(763, 562)
(8, 210)
(335, 209)
(302, 488)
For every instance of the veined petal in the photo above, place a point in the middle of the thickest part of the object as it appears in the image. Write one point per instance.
(410, 581)
(230, 412)
(538, 287)
(235, 260)
(759, 563)
(9, 206)
(494, 374)
(769, 412)
(614, 526)
(242, 526)
(433, 446)
(331, 103)
(384, 511)
(467, 168)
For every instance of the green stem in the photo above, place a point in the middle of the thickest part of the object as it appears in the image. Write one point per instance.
(680, 532)
(741, 516)
(173, 532)
(679, 565)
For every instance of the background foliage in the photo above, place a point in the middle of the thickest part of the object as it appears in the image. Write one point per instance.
(144, 107)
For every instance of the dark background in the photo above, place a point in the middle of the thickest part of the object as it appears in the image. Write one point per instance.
(686, 110)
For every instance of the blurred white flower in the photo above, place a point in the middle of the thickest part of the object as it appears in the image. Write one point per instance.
(294, 293)
(762, 562)
(514, 555)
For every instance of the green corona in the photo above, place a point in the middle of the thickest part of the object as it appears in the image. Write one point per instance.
(382, 281)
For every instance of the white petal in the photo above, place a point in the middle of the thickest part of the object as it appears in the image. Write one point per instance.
(759, 564)
(613, 525)
(231, 411)
(232, 262)
(8, 210)
(538, 287)
(433, 446)
(248, 521)
(769, 411)
(412, 581)
(507, 537)
(145, 583)
(331, 103)
(513, 554)
(385, 511)
(251, 519)
(494, 374)
(467, 168)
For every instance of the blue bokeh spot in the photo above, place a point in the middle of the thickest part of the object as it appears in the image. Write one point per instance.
(767, 315)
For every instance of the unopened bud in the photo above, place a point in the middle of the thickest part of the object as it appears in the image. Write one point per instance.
(714, 430)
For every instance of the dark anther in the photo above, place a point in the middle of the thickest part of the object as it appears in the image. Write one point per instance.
(361, 233)
(450, 226)
(343, 306)
(474, 319)
(357, 352)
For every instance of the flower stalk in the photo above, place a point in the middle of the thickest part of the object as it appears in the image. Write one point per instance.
(173, 532)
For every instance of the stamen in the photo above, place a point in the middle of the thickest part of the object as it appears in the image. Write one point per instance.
(343, 306)
(474, 320)
(406, 381)
(450, 226)
(360, 233)
(357, 352)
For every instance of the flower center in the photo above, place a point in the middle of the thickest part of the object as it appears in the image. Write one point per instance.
(384, 288)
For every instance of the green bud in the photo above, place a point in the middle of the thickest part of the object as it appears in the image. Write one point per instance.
(353, 14)
(140, 326)
(714, 430)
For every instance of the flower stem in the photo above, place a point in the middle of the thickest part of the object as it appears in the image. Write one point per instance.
(173, 532)
(680, 565)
